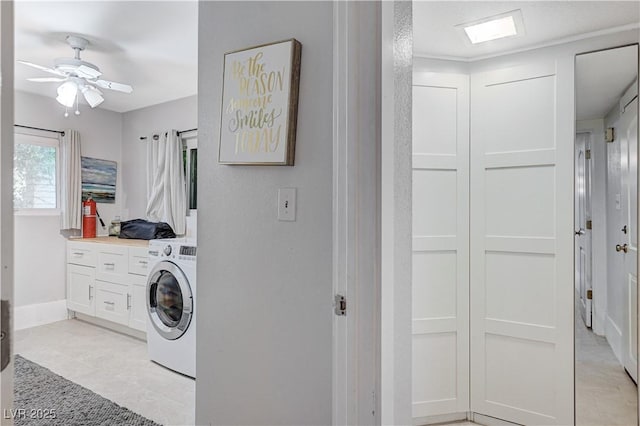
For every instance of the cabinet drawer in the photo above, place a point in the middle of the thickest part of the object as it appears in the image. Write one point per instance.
(138, 260)
(81, 254)
(112, 264)
(112, 302)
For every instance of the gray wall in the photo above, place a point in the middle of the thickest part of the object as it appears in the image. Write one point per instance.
(264, 307)
(181, 114)
(39, 247)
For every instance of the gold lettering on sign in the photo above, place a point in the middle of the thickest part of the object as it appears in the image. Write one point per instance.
(251, 115)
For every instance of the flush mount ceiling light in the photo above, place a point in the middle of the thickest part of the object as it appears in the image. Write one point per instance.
(495, 27)
(77, 77)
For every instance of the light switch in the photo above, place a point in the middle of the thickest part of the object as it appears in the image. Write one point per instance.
(287, 204)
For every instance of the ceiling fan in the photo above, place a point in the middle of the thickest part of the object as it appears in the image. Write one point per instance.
(77, 76)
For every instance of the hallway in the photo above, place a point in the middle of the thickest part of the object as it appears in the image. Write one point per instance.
(605, 394)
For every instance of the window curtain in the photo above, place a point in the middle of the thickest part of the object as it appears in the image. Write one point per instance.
(70, 181)
(166, 191)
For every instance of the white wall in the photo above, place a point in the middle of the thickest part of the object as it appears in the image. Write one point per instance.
(264, 308)
(181, 114)
(104, 134)
(39, 247)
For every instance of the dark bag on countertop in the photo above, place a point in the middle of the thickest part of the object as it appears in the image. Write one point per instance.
(141, 229)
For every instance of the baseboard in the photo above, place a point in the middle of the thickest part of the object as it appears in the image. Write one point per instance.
(482, 419)
(614, 337)
(440, 419)
(141, 335)
(600, 324)
(40, 314)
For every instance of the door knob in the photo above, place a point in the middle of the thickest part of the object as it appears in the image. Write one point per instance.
(623, 248)
(580, 231)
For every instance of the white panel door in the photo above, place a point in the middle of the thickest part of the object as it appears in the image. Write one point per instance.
(628, 247)
(440, 244)
(583, 232)
(522, 285)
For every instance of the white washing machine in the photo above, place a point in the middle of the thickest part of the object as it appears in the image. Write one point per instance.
(171, 296)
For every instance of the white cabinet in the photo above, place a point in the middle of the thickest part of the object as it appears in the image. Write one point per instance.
(81, 254)
(108, 280)
(138, 260)
(112, 302)
(81, 289)
(113, 263)
(137, 303)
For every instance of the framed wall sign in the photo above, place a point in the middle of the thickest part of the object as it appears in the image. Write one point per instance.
(260, 104)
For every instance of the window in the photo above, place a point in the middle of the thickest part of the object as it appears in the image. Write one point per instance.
(190, 154)
(35, 172)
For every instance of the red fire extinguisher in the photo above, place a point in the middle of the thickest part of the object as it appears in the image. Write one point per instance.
(89, 218)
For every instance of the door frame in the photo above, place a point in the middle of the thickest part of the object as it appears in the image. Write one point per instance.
(372, 69)
(356, 240)
(6, 195)
(616, 46)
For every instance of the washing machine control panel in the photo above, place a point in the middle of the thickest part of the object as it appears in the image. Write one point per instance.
(173, 251)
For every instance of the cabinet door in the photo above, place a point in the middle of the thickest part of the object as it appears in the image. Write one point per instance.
(81, 289)
(112, 302)
(138, 305)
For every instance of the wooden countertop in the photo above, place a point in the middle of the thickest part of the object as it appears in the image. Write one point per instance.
(112, 240)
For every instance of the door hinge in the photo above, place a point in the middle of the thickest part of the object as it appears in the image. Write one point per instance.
(589, 294)
(589, 224)
(609, 135)
(5, 334)
(587, 154)
(340, 305)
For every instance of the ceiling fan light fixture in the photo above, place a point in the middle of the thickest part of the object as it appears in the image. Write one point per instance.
(67, 92)
(495, 27)
(92, 96)
(78, 76)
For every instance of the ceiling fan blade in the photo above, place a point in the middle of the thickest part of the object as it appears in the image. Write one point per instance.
(87, 72)
(45, 69)
(46, 79)
(92, 95)
(114, 86)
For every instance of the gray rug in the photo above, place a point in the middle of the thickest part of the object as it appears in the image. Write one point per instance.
(44, 395)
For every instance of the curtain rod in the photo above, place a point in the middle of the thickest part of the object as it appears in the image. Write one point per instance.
(179, 132)
(40, 128)
(187, 131)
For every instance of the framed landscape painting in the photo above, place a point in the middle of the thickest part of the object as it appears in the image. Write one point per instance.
(99, 180)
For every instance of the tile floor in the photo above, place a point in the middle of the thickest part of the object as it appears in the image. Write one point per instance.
(116, 366)
(605, 395)
(112, 365)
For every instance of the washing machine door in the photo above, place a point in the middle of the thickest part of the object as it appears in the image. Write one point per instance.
(169, 300)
